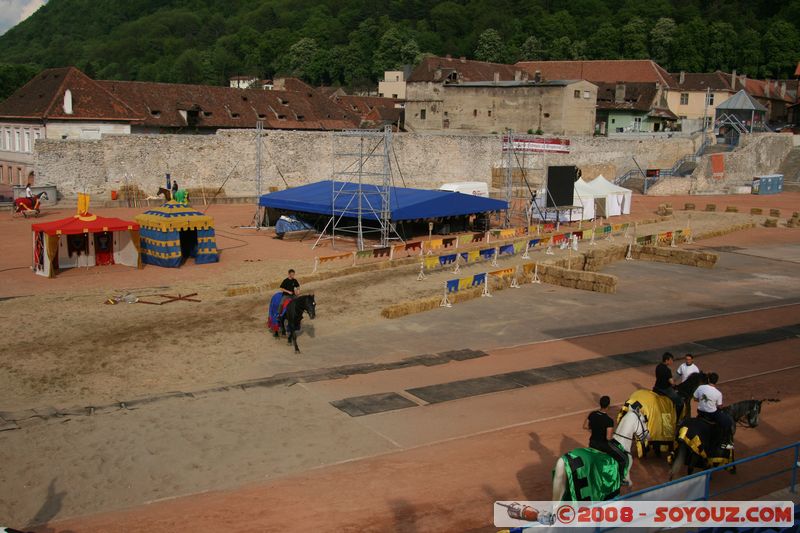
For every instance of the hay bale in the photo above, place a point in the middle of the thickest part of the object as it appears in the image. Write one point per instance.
(775, 213)
(756, 211)
(688, 207)
(711, 207)
(731, 209)
(771, 223)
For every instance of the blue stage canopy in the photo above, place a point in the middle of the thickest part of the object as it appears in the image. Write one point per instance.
(404, 203)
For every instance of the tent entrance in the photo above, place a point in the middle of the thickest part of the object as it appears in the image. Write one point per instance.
(103, 248)
(188, 244)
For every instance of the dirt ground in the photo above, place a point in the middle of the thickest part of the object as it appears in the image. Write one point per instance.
(89, 353)
(64, 348)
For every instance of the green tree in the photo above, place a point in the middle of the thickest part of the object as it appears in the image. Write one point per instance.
(604, 43)
(301, 55)
(781, 46)
(188, 68)
(12, 77)
(531, 49)
(721, 53)
(560, 49)
(490, 47)
(634, 43)
(662, 39)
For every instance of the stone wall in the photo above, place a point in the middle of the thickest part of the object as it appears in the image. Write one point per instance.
(425, 160)
(757, 154)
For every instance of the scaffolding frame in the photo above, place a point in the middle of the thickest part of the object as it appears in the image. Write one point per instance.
(361, 184)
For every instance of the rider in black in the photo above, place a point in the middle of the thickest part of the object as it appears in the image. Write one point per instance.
(665, 384)
(600, 424)
(290, 287)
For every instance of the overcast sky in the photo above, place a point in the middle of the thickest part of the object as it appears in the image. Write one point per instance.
(12, 12)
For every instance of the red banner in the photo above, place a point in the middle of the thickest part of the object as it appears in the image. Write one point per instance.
(535, 144)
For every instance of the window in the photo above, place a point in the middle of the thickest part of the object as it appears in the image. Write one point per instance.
(489, 112)
(684, 98)
(445, 114)
(577, 93)
(28, 147)
(17, 141)
(2, 140)
(422, 114)
(587, 95)
(708, 122)
(474, 112)
(547, 115)
(1, 175)
(394, 96)
(613, 120)
(710, 99)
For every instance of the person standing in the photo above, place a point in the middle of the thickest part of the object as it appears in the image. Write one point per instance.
(665, 384)
(709, 403)
(687, 368)
(28, 191)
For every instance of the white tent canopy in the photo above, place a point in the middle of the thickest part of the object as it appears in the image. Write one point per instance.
(582, 196)
(617, 199)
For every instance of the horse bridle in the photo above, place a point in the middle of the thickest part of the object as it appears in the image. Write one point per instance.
(642, 436)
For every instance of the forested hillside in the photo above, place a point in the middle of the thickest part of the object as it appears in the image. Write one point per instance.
(350, 42)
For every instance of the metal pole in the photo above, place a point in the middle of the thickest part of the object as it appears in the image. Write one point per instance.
(360, 237)
(793, 486)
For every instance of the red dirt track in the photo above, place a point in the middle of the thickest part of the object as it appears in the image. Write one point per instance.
(450, 485)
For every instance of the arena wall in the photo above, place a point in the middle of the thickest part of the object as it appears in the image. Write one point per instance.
(294, 158)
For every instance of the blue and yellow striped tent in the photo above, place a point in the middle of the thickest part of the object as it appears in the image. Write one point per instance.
(174, 231)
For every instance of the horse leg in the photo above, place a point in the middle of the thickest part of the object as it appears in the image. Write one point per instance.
(678, 461)
(294, 340)
(559, 482)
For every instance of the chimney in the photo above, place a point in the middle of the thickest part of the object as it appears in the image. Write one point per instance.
(733, 79)
(462, 59)
(743, 80)
(537, 76)
(448, 56)
(682, 77)
(496, 77)
(517, 75)
(524, 75)
(68, 102)
(619, 92)
(767, 83)
(437, 74)
(783, 89)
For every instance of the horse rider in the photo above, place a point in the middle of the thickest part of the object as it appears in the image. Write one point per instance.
(290, 287)
(687, 368)
(174, 188)
(709, 402)
(601, 426)
(665, 385)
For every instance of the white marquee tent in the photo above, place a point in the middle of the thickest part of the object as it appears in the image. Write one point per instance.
(617, 199)
(582, 196)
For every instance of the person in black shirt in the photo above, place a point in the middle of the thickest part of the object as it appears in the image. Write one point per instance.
(290, 287)
(665, 384)
(600, 424)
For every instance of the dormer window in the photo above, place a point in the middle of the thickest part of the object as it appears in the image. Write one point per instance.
(300, 117)
(206, 113)
(244, 98)
(261, 116)
(283, 101)
(68, 102)
(281, 117)
(155, 112)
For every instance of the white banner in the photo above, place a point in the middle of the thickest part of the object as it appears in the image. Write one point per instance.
(532, 145)
(653, 514)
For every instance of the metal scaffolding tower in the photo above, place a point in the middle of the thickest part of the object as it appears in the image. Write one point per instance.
(361, 186)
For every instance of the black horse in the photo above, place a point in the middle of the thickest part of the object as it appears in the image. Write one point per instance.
(292, 318)
(745, 413)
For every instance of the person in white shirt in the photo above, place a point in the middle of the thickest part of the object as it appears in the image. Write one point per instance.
(28, 191)
(687, 368)
(709, 402)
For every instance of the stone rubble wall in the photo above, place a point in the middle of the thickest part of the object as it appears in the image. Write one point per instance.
(291, 158)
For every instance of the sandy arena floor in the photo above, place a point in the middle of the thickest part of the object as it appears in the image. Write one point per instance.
(64, 348)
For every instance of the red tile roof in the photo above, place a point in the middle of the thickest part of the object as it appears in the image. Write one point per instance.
(638, 96)
(694, 81)
(759, 89)
(797, 70)
(601, 71)
(225, 107)
(42, 98)
(363, 105)
(463, 69)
